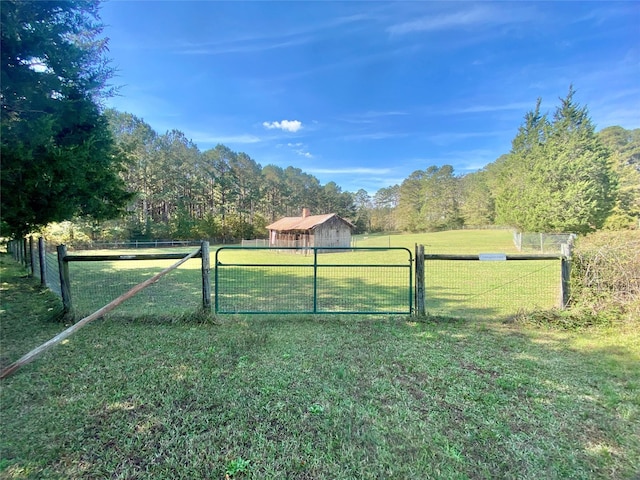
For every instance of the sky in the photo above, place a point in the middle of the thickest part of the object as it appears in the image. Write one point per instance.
(365, 93)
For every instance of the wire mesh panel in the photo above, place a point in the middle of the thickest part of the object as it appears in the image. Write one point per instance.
(491, 288)
(367, 280)
(52, 272)
(94, 284)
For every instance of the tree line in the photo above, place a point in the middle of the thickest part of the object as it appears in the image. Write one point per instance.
(560, 176)
(184, 193)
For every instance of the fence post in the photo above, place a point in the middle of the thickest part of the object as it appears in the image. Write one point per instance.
(206, 277)
(315, 279)
(420, 290)
(23, 248)
(65, 284)
(32, 257)
(565, 248)
(42, 254)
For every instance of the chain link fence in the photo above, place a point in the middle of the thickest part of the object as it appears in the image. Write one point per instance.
(542, 242)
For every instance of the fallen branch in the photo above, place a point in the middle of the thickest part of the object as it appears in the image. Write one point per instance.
(36, 352)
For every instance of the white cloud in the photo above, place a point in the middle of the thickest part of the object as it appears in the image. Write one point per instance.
(476, 16)
(300, 149)
(285, 125)
(441, 22)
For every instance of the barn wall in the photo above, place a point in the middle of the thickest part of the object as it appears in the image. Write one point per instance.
(333, 233)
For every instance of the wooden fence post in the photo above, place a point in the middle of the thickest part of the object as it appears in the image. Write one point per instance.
(32, 257)
(565, 248)
(65, 283)
(23, 258)
(420, 287)
(206, 277)
(42, 254)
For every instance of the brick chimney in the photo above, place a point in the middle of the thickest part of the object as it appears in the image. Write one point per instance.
(305, 212)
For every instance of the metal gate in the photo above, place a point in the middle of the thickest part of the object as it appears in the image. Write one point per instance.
(373, 280)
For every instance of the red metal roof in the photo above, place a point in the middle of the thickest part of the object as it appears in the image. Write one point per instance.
(302, 223)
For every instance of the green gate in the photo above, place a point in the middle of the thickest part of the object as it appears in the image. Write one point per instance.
(373, 280)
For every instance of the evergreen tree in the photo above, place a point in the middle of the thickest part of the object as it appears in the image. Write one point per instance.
(58, 156)
(625, 156)
(557, 177)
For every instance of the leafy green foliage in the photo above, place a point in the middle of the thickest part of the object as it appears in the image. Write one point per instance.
(625, 148)
(429, 200)
(236, 466)
(557, 177)
(58, 156)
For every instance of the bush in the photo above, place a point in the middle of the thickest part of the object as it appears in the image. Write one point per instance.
(605, 275)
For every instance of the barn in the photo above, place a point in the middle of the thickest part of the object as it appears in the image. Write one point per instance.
(327, 230)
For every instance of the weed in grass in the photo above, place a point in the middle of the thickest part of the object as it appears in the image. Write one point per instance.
(236, 466)
(315, 409)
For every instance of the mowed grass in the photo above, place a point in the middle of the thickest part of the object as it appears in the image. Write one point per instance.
(260, 280)
(304, 397)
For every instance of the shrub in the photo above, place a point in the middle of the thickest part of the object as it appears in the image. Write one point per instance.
(605, 275)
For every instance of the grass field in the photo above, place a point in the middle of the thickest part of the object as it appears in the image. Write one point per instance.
(457, 289)
(304, 397)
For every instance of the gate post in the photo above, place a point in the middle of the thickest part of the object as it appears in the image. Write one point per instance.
(420, 290)
(206, 278)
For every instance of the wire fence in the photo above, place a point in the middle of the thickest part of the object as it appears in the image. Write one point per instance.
(262, 280)
(45, 266)
(542, 242)
(491, 289)
(94, 284)
(256, 242)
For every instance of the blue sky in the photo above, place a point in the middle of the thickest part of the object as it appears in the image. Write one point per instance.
(364, 93)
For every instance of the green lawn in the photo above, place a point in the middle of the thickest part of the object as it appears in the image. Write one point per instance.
(451, 241)
(303, 397)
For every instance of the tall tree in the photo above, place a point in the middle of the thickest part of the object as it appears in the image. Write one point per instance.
(58, 156)
(383, 215)
(561, 181)
(440, 206)
(625, 158)
(138, 143)
(334, 200)
(515, 189)
(476, 201)
(429, 200)
(410, 202)
(363, 205)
